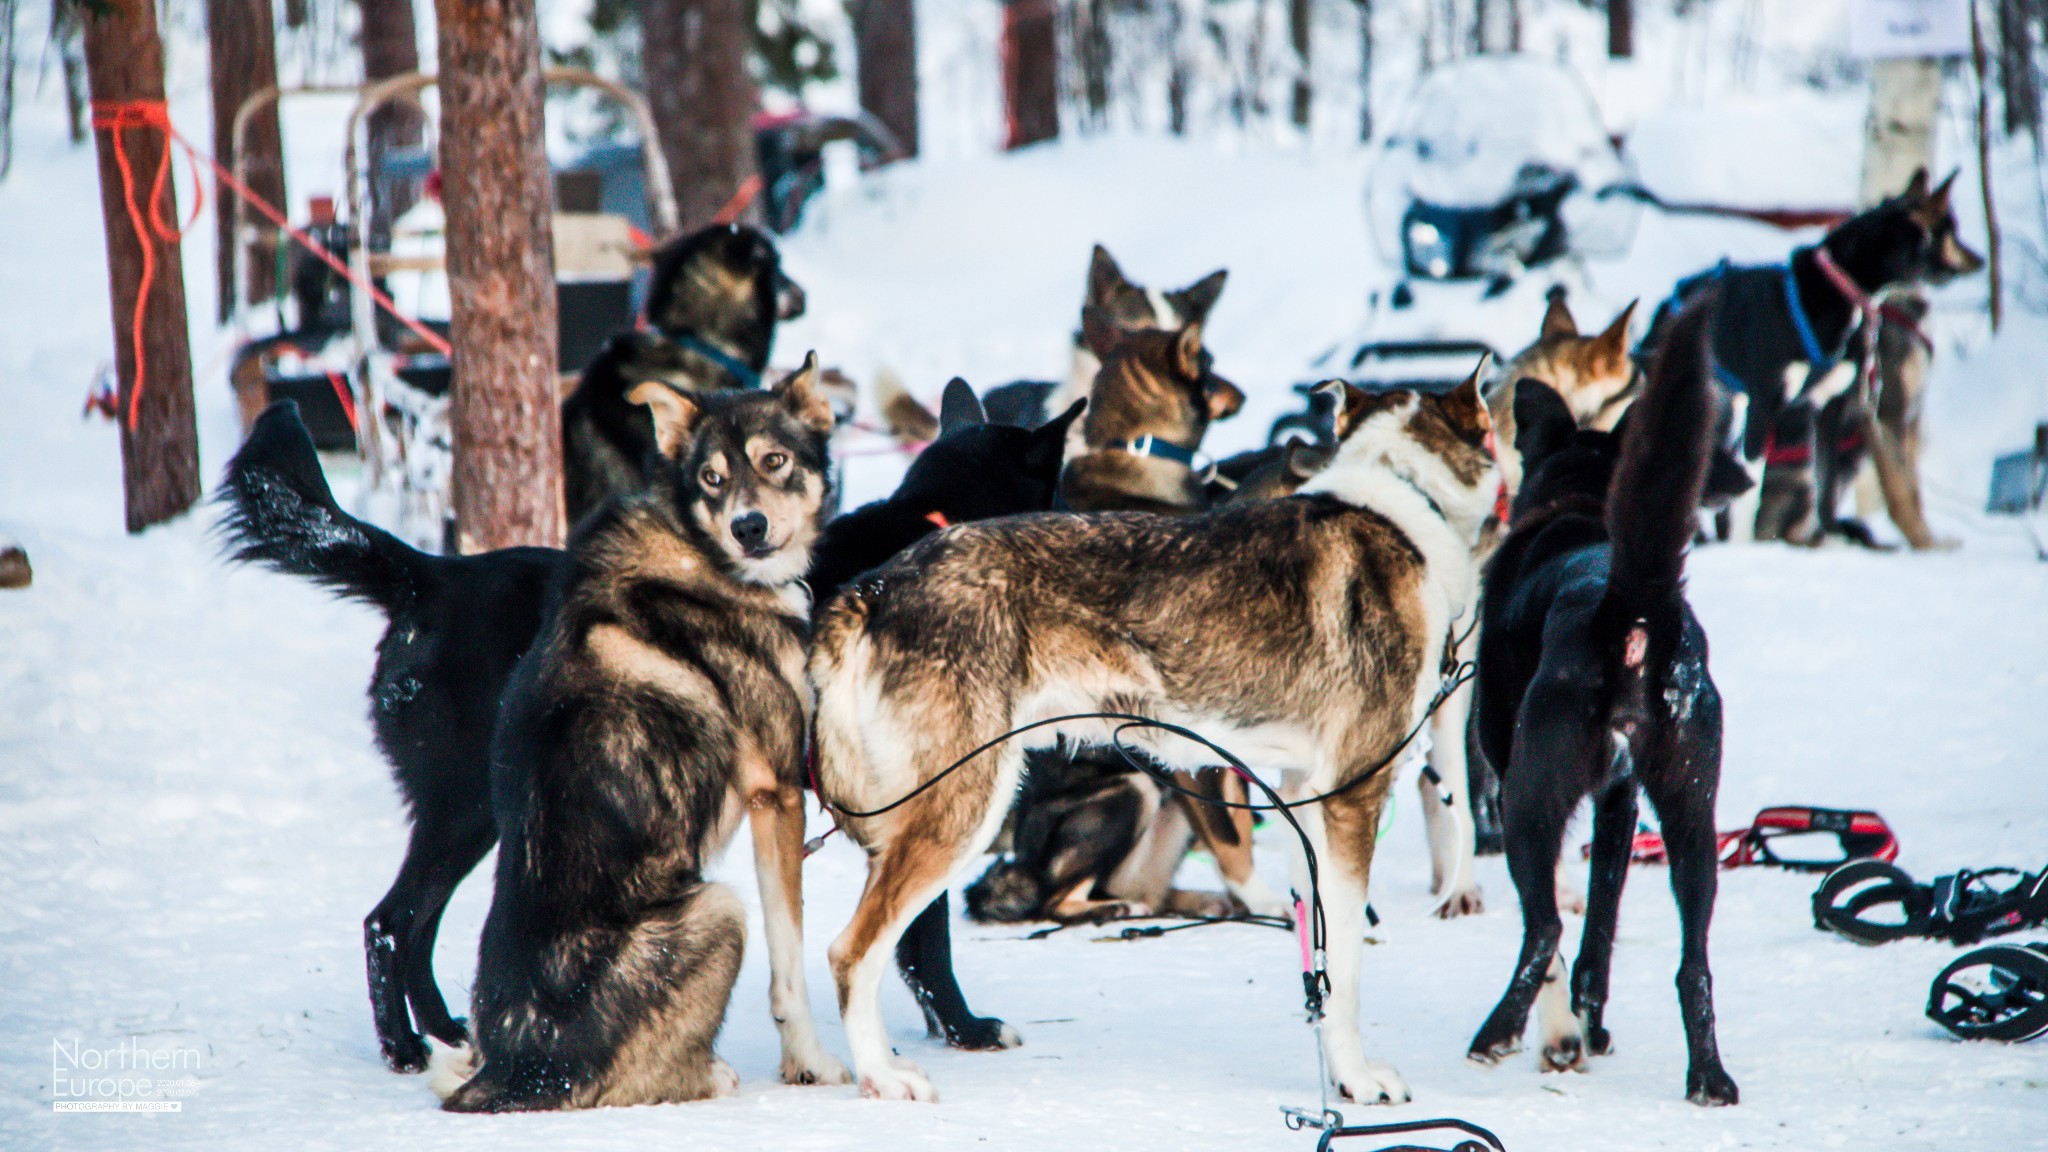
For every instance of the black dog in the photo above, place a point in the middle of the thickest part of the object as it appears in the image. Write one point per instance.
(714, 300)
(457, 626)
(1781, 334)
(1593, 680)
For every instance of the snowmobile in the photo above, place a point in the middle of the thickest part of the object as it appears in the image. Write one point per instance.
(1495, 184)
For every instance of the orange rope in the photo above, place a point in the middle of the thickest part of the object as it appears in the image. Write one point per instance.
(749, 188)
(115, 117)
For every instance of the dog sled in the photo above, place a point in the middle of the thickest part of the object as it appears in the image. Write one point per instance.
(363, 344)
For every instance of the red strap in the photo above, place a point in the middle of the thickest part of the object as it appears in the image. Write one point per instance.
(749, 188)
(116, 117)
(938, 518)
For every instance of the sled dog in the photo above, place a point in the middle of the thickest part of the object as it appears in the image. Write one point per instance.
(1593, 681)
(1304, 633)
(1593, 374)
(664, 698)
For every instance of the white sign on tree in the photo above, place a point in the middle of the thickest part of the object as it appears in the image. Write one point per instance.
(1892, 28)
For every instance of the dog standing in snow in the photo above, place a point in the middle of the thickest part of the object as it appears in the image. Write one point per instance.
(1304, 633)
(1593, 681)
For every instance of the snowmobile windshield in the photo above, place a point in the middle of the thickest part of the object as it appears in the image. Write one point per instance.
(1490, 144)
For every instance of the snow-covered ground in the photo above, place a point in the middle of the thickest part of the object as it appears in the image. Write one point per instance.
(193, 820)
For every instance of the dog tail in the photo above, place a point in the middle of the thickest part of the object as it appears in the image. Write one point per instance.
(1654, 497)
(282, 515)
(909, 421)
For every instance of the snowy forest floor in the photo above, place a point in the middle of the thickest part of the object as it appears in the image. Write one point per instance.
(193, 820)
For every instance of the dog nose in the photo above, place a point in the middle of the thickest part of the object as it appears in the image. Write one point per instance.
(750, 529)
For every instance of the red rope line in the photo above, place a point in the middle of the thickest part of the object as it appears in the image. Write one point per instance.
(115, 117)
(749, 188)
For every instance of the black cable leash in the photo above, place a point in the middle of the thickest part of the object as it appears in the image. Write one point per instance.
(1456, 678)
(1146, 932)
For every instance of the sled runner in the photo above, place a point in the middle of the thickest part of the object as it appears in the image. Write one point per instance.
(1858, 836)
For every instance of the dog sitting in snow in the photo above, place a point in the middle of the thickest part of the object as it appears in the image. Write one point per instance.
(664, 699)
(1213, 620)
(1593, 681)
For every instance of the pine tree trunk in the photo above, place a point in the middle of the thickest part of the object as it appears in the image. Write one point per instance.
(242, 43)
(506, 417)
(1299, 14)
(694, 53)
(390, 48)
(1621, 28)
(1031, 97)
(160, 453)
(1365, 71)
(885, 61)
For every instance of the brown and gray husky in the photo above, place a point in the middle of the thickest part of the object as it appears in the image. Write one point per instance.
(664, 698)
(1305, 634)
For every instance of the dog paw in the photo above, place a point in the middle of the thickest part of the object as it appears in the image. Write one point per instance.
(1599, 1041)
(1260, 900)
(1566, 1053)
(725, 1081)
(984, 1034)
(1119, 910)
(1493, 1052)
(901, 1080)
(405, 1053)
(1712, 1088)
(1464, 902)
(1373, 1082)
(816, 1068)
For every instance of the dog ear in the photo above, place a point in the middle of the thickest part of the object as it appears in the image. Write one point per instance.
(1352, 404)
(1557, 320)
(1304, 460)
(1465, 408)
(1104, 277)
(959, 407)
(1933, 209)
(1194, 301)
(1543, 422)
(1187, 352)
(1610, 347)
(1098, 332)
(675, 412)
(1221, 397)
(801, 396)
(1916, 188)
(1047, 448)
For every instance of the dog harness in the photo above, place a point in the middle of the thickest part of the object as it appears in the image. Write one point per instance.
(1862, 835)
(1994, 993)
(1802, 325)
(735, 367)
(1962, 908)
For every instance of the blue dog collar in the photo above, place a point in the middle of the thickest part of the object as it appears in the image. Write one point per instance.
(738, 369)
(1150, 445)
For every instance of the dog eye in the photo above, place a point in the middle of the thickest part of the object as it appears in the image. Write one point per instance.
(774, 461)
(711, 479)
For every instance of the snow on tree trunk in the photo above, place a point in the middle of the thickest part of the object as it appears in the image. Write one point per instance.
(390, 48)
(506, 416)
(124, 60)
(241, 41)
(694, 54)
(885, 64)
